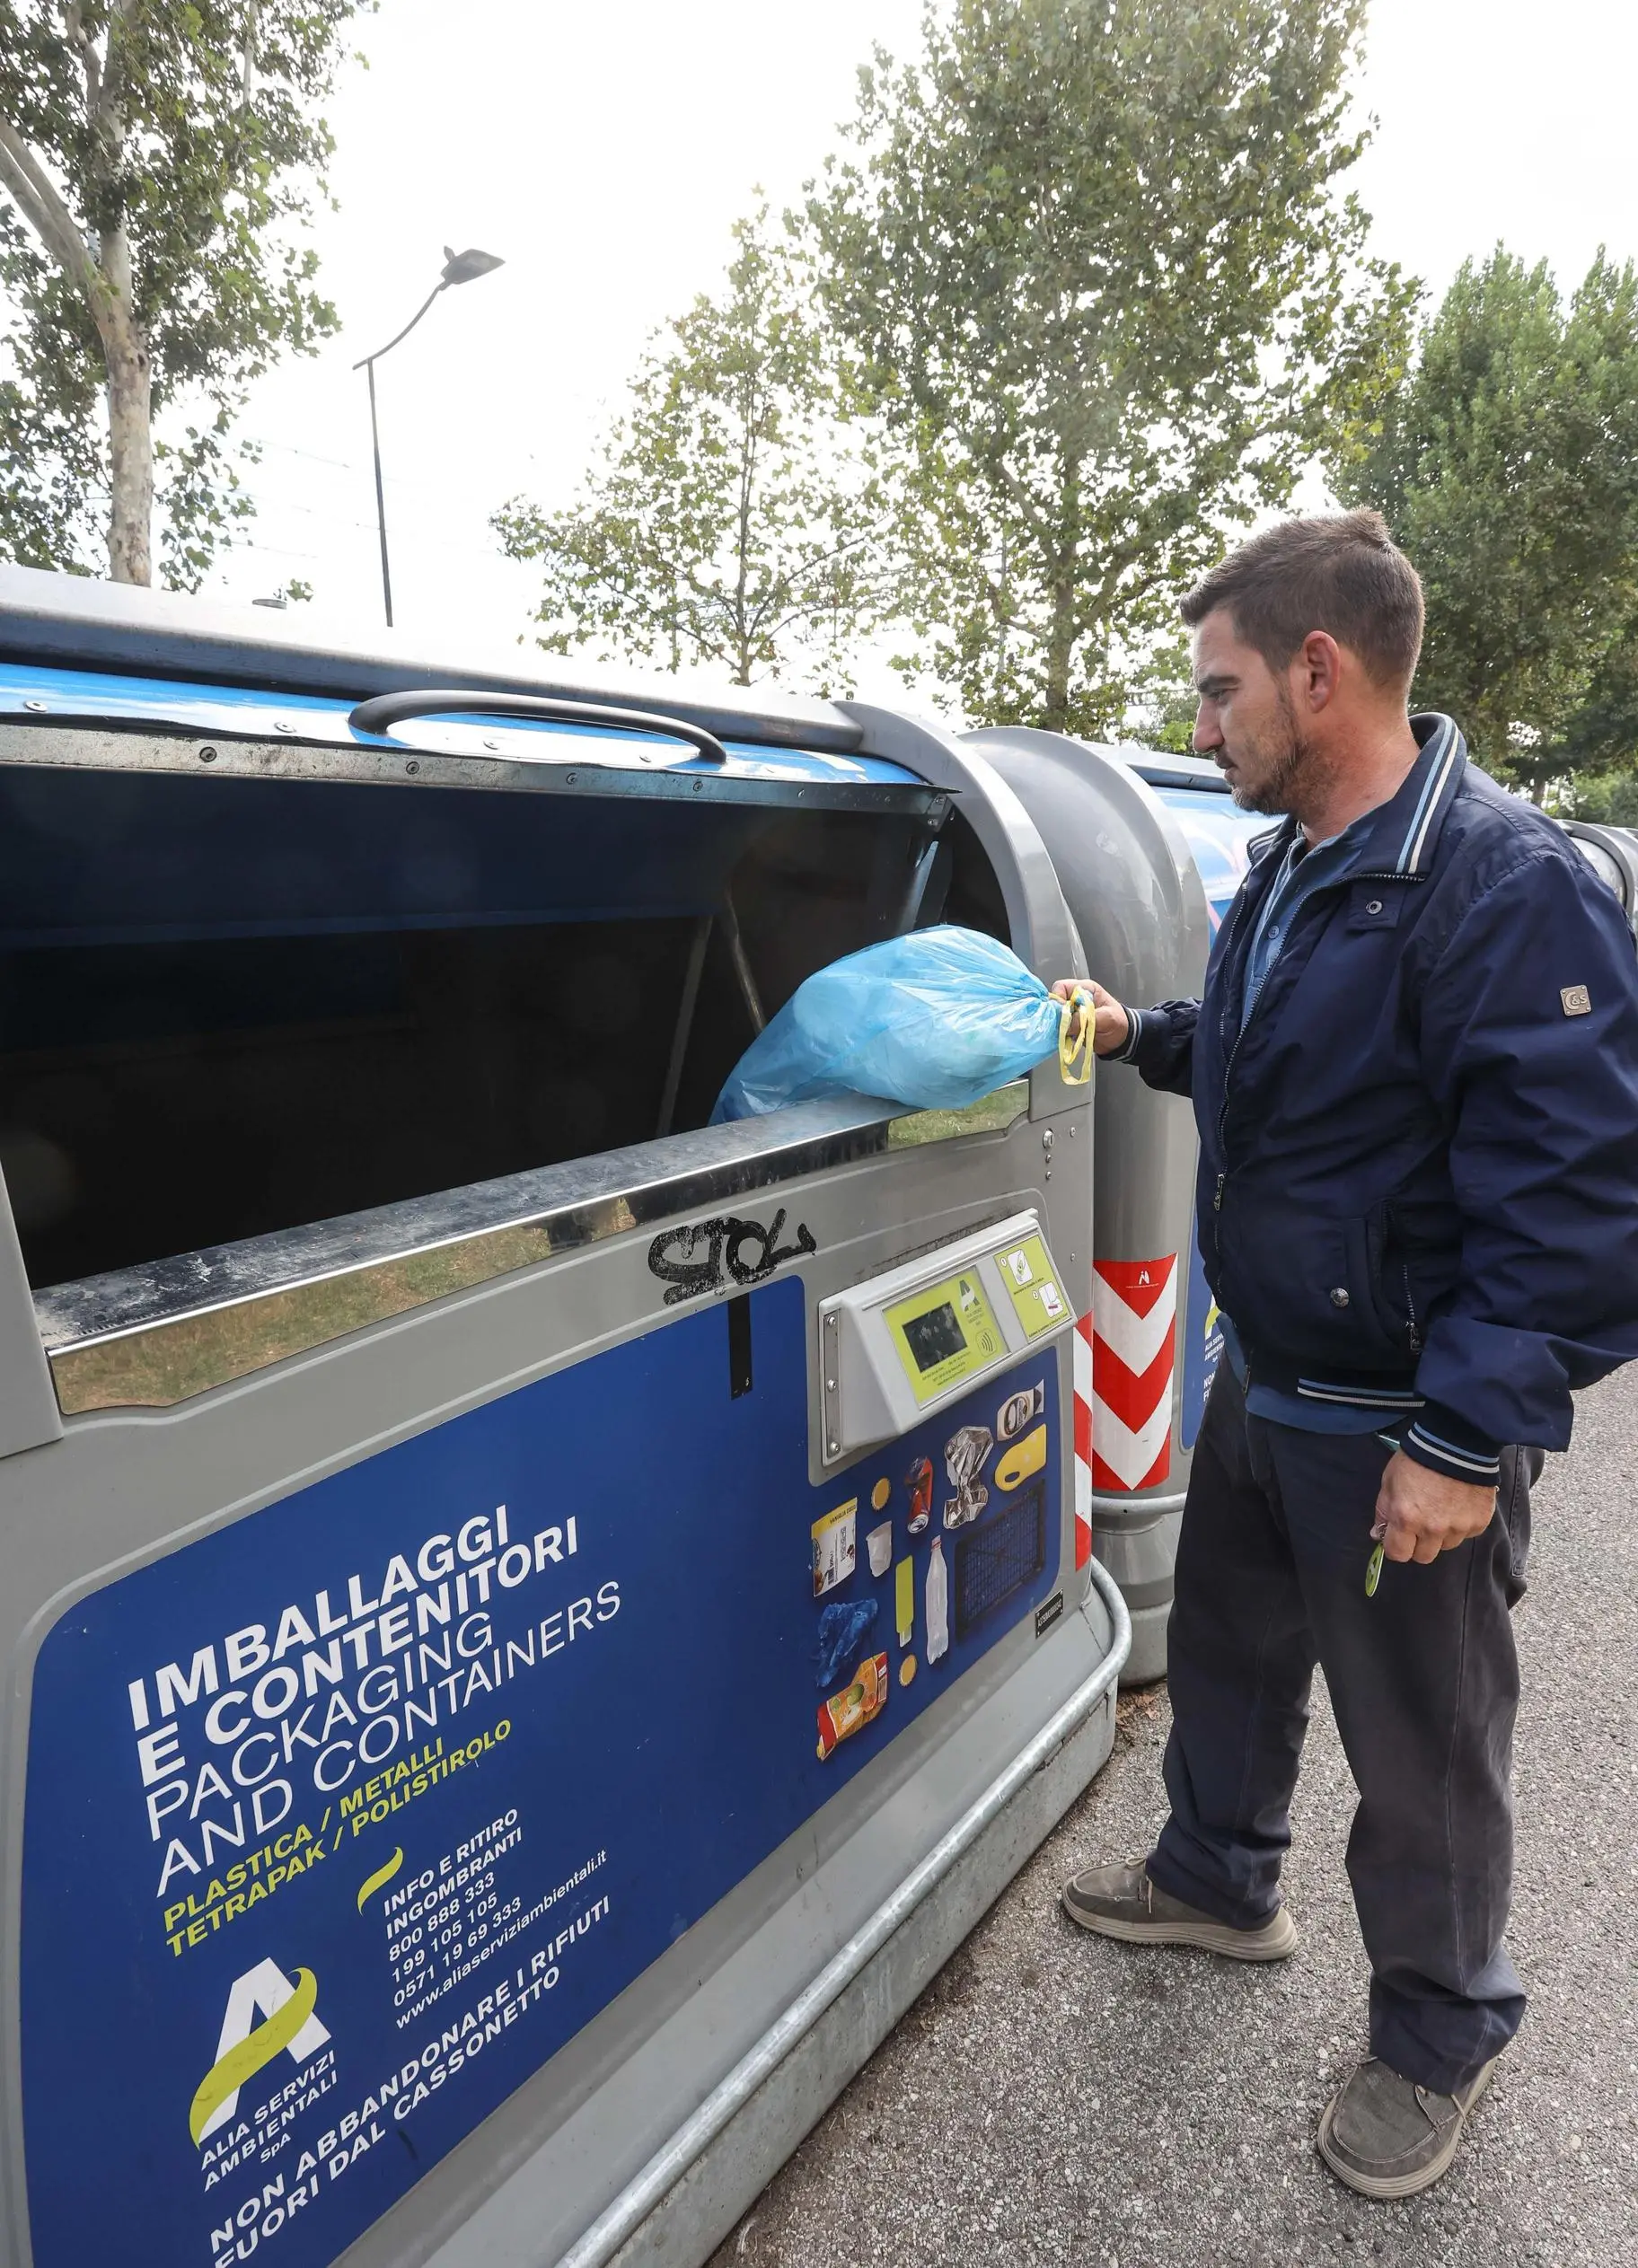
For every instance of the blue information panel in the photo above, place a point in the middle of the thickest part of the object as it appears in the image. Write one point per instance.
(1202, 1348)
(342, 1820)
(1220, 835)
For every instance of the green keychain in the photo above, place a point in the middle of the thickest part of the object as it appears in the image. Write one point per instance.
(1373, 1572)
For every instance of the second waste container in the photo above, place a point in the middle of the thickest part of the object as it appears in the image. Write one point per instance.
(1149, 850)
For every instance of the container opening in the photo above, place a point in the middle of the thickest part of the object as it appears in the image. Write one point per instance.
(230, 1006)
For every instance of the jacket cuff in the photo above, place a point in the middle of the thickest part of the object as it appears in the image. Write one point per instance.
(1134, 1035)
(1444, 1441)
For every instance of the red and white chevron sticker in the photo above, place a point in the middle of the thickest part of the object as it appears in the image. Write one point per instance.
(1135, 1336)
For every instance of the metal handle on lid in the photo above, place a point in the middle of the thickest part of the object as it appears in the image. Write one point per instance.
(387, 710)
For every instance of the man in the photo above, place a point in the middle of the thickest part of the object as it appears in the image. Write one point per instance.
(1414, 1072)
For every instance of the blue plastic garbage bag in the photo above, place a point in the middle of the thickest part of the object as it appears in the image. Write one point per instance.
(935, 1019)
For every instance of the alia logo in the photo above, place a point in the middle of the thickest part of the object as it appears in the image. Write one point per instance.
(289, 2025)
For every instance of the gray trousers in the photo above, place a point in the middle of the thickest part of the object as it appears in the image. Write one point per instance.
(1424, 1681)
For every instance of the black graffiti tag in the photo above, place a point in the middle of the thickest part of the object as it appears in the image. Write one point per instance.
(710, 1253)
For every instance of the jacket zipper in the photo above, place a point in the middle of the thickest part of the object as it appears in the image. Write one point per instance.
(1410, 1306)
(1343, 880)
(1222, 1122)
(1386, 873)
(1222, 1114)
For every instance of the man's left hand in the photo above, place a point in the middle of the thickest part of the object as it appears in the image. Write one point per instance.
(1420, 1512)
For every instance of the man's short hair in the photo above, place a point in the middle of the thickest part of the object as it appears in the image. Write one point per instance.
(1340, 572)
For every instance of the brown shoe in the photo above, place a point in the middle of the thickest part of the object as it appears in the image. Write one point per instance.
(1386, 2137)
(1121, 1901)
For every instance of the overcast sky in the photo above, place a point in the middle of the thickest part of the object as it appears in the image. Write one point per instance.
(603, 152)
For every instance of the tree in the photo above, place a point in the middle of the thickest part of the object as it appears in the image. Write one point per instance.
(153, 156)
(731, 519)
(1507, 467)
(1600, 741)
(1164, 702)
(1611, 799)
(1093, 263)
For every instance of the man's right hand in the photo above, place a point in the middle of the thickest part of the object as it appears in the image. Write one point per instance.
(1110, 1026)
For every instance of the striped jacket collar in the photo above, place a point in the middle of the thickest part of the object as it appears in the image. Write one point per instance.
(1405, 832)
(1398, 840)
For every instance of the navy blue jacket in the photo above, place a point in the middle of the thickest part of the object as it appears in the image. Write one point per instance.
(1419, 1158)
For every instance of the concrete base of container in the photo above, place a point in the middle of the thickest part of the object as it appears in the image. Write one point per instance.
(1141, 1560)
(1146, 1663)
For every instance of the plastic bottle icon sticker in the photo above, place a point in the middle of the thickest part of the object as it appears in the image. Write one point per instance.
(937, 1605)
(904, 1599)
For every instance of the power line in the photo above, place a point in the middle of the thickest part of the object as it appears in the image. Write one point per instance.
(288, 449)
(245, 545)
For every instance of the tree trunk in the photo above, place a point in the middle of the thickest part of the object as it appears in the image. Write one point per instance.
(131, 455)
(1061, 633)
(1059, 655)
(130, 434)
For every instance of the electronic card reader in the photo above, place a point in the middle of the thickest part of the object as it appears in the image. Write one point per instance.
(902, 1344)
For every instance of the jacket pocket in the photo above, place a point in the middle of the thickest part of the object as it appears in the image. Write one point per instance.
(1393, 1295)
(1413, 1268)
(1308, 1288)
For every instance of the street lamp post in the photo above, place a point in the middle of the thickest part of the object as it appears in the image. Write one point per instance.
(459, 267)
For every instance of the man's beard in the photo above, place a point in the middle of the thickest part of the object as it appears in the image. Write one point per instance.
(1292, 770)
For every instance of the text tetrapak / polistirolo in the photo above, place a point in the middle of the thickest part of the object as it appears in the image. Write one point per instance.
(367, 1675)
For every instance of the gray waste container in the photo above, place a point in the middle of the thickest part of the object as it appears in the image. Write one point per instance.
(530, 1626)
(1219, 836)
(1150, 850)
(1612, 853)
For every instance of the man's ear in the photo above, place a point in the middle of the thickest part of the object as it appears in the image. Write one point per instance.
(1318, 671)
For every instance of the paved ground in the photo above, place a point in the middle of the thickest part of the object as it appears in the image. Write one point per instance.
(1054, 2097)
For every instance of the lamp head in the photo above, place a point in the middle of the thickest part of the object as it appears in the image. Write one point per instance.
(465, 267)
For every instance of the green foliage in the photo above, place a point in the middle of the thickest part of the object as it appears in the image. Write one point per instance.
(1611, 800)
(731, 518)
(203, 498)
(157, 158)
(1507, 467)
(1164, 702)
(49, 447)
(1101, 285)
(1601, 734)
